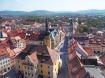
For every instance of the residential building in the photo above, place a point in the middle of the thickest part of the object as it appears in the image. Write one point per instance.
(97, 44)
(6, 60)
(54, 38)
(18, 42)
(38, 61)
(76, 68)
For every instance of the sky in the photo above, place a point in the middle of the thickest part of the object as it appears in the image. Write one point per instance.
(51, 5)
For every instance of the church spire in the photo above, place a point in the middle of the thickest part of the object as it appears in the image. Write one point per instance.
(46, 24)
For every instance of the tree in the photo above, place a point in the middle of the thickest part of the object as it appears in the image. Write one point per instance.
(84, 29)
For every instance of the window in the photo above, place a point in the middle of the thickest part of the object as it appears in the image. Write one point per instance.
(5, 70)
(41, 71)
(48, 72)
(28, 68)
(25, 67)
(40, 65)
(40, 76)
(31, 68)
(6, 61)
(2, 67)
(3, 62)
(8, 68)
(25, 73)
(35, 67)
(28, 61)
(32, 74)
(18, 61)
(29, 74)
(19, 66)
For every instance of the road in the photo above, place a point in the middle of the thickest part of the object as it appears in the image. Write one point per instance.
(63, 51)
(11, 74)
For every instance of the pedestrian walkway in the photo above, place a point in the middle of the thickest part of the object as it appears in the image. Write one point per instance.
(63, 50)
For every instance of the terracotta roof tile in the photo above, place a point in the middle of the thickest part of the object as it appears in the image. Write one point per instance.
(53, 54)
(89, 51)
(41, 53)
(33, 57)
(17, 51)
(2, 51)
(76, 70)
(102, 59)
(10, 52)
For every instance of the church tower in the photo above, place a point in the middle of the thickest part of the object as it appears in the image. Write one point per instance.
(75, 27)
(46, 26)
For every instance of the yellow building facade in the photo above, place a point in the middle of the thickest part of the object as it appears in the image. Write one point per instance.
(38, 62)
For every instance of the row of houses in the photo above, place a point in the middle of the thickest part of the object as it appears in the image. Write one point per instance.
(84, 63)
(30, 53)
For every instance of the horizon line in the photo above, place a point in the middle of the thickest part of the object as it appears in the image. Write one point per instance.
(54, 11)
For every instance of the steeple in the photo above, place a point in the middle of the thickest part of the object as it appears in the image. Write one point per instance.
(46, 24)
(75, 27)
(71, 22)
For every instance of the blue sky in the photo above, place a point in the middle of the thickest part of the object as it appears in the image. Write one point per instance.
(51, 5)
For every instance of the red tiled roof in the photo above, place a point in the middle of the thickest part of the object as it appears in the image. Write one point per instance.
(75, 69)
(17, 51)
(73, 45)
(53, 54)
(33, 57)
(81, 73)
(74, 64)
(22, 34)
(10, 52)
(71, 55)
(102, 59)
(76, 47)
(2, 51)
(15, 33)
(4, 43)
(34, 36)
(7, 51)
(89, 51)
(40, 53)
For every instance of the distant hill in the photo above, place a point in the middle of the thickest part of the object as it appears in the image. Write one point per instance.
(92, 11)
(23, 13)
(14, 13)
(51, 13)
(42, 12)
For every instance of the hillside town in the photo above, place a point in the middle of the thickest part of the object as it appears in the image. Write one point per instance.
(51, 47)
